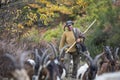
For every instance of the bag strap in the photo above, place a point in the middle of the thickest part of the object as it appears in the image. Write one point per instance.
(75, 32)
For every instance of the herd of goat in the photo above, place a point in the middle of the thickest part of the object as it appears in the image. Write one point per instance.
(19, 61)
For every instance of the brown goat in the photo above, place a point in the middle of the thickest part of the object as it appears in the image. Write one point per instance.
(29, 69)
(14, 69)
(109, 61)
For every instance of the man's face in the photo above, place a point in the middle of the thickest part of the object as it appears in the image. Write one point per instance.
(69, 27)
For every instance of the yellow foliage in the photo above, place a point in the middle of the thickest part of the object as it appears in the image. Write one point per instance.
(14, 30)
(81, 3)
(44, 1)
(26, 34)
(34, 5)
(32, 16)
(65, 10)
(49, 5)
(26, 7)
(43, 17)
(50, 14)
(20, 26)
(29, 23)
(47, 10)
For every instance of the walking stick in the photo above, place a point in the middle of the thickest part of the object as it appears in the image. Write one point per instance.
(83, 33)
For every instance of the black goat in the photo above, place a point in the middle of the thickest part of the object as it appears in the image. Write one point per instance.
(45, 68)
(48, 67)
(90, 74)
(57, 60)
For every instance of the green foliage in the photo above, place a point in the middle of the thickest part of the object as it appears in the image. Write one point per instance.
(106, 30)
(51, 34)
(19, 20)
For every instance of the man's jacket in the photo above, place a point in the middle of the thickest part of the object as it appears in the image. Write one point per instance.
(68, 38)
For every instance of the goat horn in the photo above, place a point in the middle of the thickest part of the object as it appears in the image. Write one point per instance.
(22, 57)
(54, 49)
(89, 57)
(107, 49)
(38, 58)
(97, 57)
(44, 65)
(116, 52)
(62, 50)
(42, 62)
(43, 55)
(45, 60)
(12, 59)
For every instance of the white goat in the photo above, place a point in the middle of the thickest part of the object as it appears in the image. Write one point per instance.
(81, 71)
(32, 62)
(109, 76)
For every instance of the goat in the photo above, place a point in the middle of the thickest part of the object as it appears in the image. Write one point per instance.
(109, 61)
(109, 76)
(29, 67)
(46, 67)
(58, 61)
(81, 71)
(92, 67)
(116, 58)
(17, 70)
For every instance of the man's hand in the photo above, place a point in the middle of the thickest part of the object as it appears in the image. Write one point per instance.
(65, 49)
(79, 40)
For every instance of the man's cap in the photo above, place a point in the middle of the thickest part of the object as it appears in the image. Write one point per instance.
(68, 23)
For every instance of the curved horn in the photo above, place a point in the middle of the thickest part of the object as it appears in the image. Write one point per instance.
(54, 49)
(107, 50)
(38, 58)
(12, 59)
(47, 57)
(97, 57)
(38, 61)
(62, 50)
(43, 55)
(116, 52)
(22, 57)
(89, 57)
